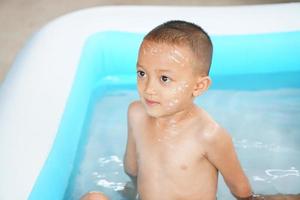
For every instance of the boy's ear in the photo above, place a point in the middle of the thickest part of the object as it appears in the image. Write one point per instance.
(202, 84)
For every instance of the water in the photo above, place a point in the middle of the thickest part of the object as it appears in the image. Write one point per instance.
(264, 125)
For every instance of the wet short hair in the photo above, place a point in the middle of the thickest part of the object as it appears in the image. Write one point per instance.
(178, 32)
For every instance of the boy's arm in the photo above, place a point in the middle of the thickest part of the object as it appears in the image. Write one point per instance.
(222, 155)
(130, 163)
(130, 160)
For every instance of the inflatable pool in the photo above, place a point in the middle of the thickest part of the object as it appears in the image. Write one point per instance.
(48, 97)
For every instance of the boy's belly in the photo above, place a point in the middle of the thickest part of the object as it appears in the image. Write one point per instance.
(174, 184)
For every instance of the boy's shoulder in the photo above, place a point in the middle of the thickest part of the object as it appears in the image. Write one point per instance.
(136, 110)
(211, 131)
(136, 106)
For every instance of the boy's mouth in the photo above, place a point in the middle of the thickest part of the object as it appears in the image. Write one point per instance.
(150, 102)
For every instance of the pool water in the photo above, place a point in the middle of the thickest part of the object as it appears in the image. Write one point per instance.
(264, 125)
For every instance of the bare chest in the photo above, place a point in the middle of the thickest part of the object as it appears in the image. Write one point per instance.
(176, 163)
(171, 151)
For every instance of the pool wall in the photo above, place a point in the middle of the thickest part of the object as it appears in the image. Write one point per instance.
(108, 59)
(45, 100)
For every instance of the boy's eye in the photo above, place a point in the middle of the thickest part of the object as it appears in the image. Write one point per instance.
(141, 74)
(165, 79)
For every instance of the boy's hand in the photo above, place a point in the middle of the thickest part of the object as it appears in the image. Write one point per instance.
(252, 197)
(129, 191)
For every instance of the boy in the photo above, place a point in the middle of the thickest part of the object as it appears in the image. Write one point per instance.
(174, 148)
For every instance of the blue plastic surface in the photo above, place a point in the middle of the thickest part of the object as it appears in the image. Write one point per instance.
(109, 59)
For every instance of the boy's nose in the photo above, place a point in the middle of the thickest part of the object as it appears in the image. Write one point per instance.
(150, 88)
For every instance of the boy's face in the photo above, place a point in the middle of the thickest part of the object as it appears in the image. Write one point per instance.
(166, 78)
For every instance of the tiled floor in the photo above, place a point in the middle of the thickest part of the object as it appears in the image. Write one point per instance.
(19, 19)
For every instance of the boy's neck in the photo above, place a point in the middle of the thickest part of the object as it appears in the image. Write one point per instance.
(176, 118)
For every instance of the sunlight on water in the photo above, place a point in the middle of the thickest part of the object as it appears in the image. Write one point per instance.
(264, 125)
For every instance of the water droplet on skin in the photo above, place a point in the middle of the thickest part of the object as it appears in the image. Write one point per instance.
(178, 54)
(175, 59)
(171, 104)
(178, 89)
(153, 51)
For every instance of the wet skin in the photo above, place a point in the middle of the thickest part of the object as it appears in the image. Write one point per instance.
(174, 148)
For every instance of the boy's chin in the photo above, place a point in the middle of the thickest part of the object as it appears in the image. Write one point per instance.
(154, 114)
(157, 114)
